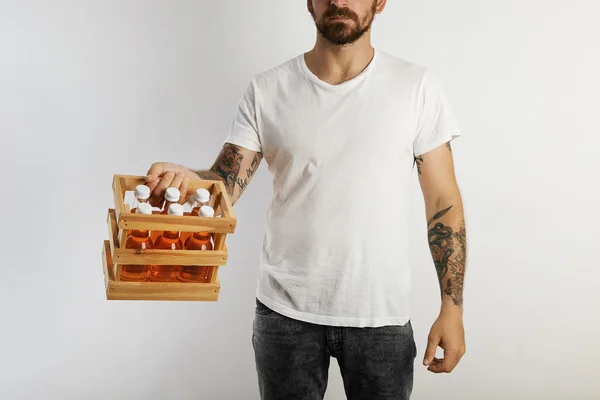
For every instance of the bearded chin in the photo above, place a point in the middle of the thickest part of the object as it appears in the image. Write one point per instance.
(339, 34)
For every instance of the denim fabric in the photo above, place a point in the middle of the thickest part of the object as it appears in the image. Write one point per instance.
(292, 358)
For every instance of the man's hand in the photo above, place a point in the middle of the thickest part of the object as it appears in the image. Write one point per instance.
(163, 175)
(235, 166)
(448, 333)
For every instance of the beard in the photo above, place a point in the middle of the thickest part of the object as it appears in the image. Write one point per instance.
(346, 31)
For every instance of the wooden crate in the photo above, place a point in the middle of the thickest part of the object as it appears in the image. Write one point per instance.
(121, 221)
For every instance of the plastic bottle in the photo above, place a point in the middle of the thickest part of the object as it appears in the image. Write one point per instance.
(168, 240)
(201, 198)
(142, 194)
(198, 241)
(172, 196)
(138, 239)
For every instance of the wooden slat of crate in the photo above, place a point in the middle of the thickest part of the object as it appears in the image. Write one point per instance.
(123, 256)
(118, 196)
(154, 290)
(108, 265)
(214, 277)
(114, 240)
(120, 207)
(160, 222)
(215, 200)
(113, 231)
(225, 205)
(219, 240)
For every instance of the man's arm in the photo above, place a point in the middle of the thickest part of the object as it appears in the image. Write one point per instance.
(445, 222)
(235, 166)
(448, 243)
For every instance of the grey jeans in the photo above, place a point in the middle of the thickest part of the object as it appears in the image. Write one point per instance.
(292, 358)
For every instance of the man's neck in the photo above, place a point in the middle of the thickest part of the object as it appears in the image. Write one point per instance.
(337, 64)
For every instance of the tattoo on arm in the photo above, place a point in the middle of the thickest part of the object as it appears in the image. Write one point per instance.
(209, 175)
(254, 165)
(448, 249)
(418, 161)
(228, 166)
(243, 183)
(439, 215)
(455, 282)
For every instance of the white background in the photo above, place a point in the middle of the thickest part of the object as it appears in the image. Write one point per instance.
(89, 89)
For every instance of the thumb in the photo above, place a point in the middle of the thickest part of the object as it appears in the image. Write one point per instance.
(432, 344)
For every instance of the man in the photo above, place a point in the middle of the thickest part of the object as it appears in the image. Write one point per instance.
(341, 128)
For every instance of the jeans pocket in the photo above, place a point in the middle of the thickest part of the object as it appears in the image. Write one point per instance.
(261, 309)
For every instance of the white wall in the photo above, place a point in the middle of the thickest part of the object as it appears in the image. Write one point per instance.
(89, 89)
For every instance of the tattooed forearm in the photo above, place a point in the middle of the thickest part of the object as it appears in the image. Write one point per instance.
(228, 165)
(454, 284)
(418, 161)
(448, 249)
(209, 175)
(231, 168)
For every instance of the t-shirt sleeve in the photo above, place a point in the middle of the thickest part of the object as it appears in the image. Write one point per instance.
(243, 130)
(436, 123)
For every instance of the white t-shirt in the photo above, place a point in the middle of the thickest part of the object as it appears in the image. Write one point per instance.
(335, 247)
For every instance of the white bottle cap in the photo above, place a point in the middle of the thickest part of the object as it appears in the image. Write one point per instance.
(144, 208)
(172, 194)
(142, 192)
(207, 211)
(176, 209)
(202, 195)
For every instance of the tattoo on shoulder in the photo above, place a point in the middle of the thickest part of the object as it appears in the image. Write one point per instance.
(448, 146)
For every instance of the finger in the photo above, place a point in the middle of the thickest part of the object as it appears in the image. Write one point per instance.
(444, 365)
(432, 343)
(183, 189)
(159, 192)
(451, 358)
(156, 170)
(436, 365)
(153, 175)
(177, 180)
(152, 184)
